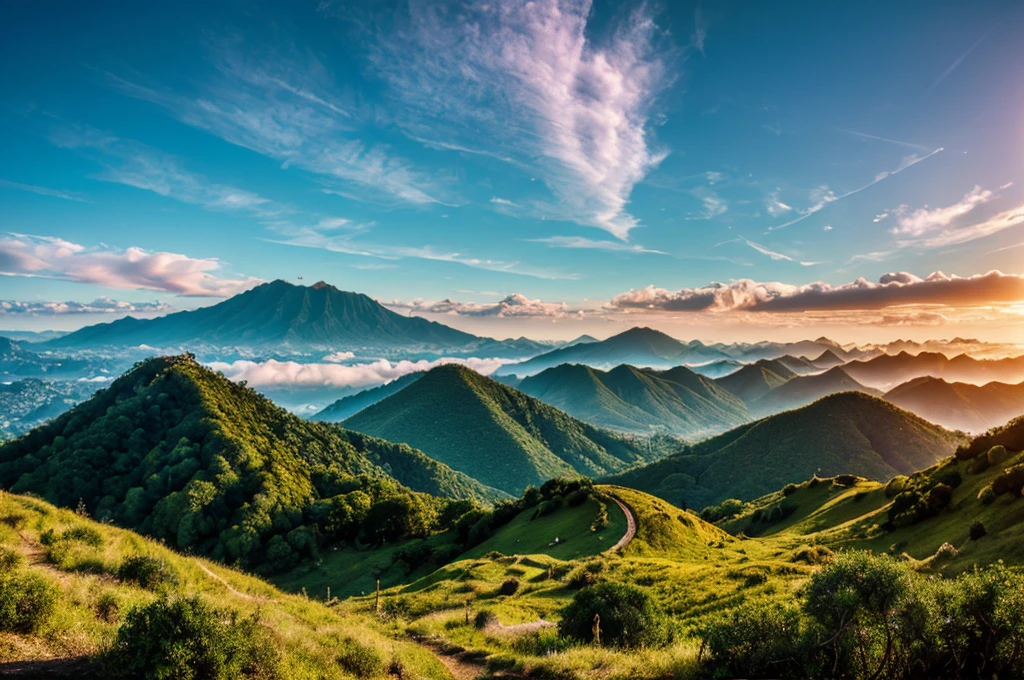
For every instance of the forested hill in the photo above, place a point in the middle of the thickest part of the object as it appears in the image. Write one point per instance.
(494, 433)
(183, 454)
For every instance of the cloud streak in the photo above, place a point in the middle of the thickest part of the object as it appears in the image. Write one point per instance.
(43, 191)
(580, 243)
(512, 306)
(101, 305)
(130, 269)
(894, 289)
(528, 77)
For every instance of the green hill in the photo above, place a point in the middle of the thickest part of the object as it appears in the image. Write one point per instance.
(639, 400)
(494, 433)
(183, 454)
(805, 389)
(347, 407)
(755, 380)
(961, 406)
(843, 433)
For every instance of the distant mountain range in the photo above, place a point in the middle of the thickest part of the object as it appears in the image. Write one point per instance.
(843, 433)
(280, 316)
(887, 371)
(678, 401)
(960, 406)
(347, 407)
(494, 433)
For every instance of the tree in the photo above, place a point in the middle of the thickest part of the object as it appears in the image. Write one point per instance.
(629, 617)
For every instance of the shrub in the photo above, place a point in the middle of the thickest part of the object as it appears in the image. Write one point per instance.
(185, 638)
(108, 607)
(950, 478)
(724, 510)
(27, 601)
(817, 554)
(360, 660)
(997, 455)
(790, 489)
(1010, 481)
(582, 577)
(144, 571)
(896, 486)
(939, 498)
(415, 556)
(549, 506)
(484, 619)
(628, 617)
(10, 560)
(754, 641)
(509, 586)
(987, 496)
(977, 531)
(577, 498)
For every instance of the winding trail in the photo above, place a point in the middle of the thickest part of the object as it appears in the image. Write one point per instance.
(234, 591)
(630, 524)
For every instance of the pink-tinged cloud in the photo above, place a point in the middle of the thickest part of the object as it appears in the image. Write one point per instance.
(129, 269)
(514, 306)
(899, 288)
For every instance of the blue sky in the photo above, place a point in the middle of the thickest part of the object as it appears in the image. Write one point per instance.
(607, 162)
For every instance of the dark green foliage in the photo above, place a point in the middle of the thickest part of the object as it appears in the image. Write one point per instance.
(977, 531)
(484, 619)
(724, 510)
(629, 617)
(494, 433)
(185, 638)
(1011, 481)
(950, 478)
(1009, 436)
(144, 571)
(987, 496)
(845, 480)
(27, 600)
(415, 556)
(509, 587)
(849, 434)
(177, 452)
(790, 489)
(360, 660)
(865, 617)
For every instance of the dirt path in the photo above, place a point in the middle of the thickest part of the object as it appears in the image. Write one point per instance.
(456, 663)
(232, 590)
(518, 628)
(630, 525)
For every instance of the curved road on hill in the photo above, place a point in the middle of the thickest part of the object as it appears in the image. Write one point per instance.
(630, 524)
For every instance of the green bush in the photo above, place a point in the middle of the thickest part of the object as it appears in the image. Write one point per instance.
(896, 486)
(1010, 481)
(484, 618)
(10, 560)
(144, 571)
(977, 531)
(939, 498)
(761, 640)
(186, 638)
(629, 617)
(790, 489)
(27, 601)
(987, 496)
(509, 587)
(998, 455)
(360, 660)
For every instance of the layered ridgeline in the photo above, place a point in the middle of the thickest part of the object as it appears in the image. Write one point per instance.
(183, 454)
(844, 433)
(494, 433)
(637, 346)
(282, 316)
(769, 386)
(354, 403)
(678, 401)
(960, 406)
(888, 371)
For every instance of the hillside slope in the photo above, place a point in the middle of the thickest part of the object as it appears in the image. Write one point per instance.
(496, 434)
(639, 400)
(960, 406)
(843, 433)
(806, 389)
(354, 403)
(755, 380)
(183, 454)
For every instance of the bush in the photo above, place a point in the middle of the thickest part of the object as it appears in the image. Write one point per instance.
(977, 531)
(896, 486)
(484, 619)
(817, 554)
(10, 560)
(509, 587)
(939, 498)
(987, 496)
(144, 571)
(790, 489)
(754, 641)
(577, 498)
(27, 601)
(185, 638)
(628, 617)
(360, 660)
(997, 455)
(950, 478)
(724, 510)
(1010, 481)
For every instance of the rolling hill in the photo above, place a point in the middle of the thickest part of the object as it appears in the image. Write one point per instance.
(183, 454)
(960, 406)
(805, 389)
(639, 400)
(354, 403)
(280, 316)
(842, 433)
(889, 370)
(755, 380)
(638, 347)
(494, 433)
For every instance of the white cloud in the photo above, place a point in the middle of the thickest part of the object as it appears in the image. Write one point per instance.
(923, 220)
(823, 196)
(339, 357)
(101, 305)
(827, 227)
(776, 207)
(880, 216)
(700, 31)
(515, 305)
(957, 235)
(43, 191)
(765, 250)
(278, 373)
(133, 268)
(897, 288)
(528, 80)
(504, 201)
(578, 242)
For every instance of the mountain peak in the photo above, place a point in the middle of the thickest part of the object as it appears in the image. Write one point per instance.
(321, 285)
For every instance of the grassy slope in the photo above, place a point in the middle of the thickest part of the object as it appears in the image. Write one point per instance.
(846, 432)
(492, 432)
(307, 633)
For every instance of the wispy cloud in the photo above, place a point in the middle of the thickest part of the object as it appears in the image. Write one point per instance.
(529, 82)
(824, 196)
(714, 205)
(515, 305)
(957, 235)
(765, 250)
(134, 164)
(959, 60)
(43, 191)
(285, 106)
(101, 305)
(775, 206)
(578, 242)
(700, 30)
(132, 268)
(915, 223)
(865, 135)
